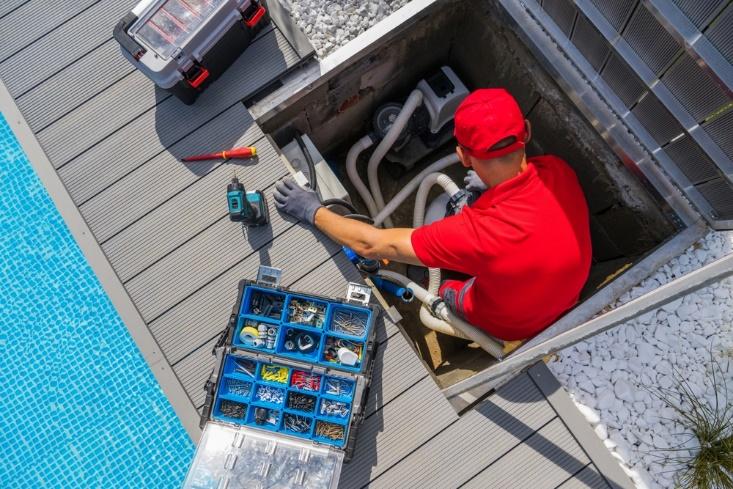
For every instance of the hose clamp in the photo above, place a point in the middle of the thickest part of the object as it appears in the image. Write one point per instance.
(434, 307)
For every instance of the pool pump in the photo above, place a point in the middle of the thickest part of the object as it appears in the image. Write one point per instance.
(431, 124)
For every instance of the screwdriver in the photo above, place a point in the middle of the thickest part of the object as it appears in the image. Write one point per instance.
(232, 154)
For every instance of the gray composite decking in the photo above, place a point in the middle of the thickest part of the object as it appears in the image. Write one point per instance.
(113, 141)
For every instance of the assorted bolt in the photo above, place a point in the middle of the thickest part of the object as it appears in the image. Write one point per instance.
(267, 305)
(302, 311)
(238, 387)
(306, 381)
(297, 424)
(330, 431)
(273, 395)
(275, 373)
(334, 408)
(350, 323)
(338, 387)
(232, 409)
(301, 402)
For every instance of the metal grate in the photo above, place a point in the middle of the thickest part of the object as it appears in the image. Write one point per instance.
(656, 119)
(646, 36)
(562, 12)
(616, 12)
(590, 42)
(720, 130)
(700, 12)
(692, 160)
(719, 193)
(720, 34)
(694, 88)
(622, 80)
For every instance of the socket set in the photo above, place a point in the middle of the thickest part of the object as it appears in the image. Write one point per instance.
(313, 329)
(282, 398)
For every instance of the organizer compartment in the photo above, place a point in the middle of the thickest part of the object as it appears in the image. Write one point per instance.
(274, 374)
(306, 311)
(305, 381)
(297, 424)
(230, 410)
(298, 401)
(329, 432)
(330, 408)
(337, 387)
(256, 333)
(264, 303)
(349, 321)
(264, 417)
(294, 340)
(234, 387)
(330, 352)
(269, 396)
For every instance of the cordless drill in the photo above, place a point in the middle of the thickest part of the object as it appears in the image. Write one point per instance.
(249, 208)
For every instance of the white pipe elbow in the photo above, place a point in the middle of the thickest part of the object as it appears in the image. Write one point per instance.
(351, 170)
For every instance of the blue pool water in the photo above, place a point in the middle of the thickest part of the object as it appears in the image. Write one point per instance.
(79, 407)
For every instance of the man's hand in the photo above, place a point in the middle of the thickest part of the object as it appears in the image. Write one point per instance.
(295, 200)
(473, 182)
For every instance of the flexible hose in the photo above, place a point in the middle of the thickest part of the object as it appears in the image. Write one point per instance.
(353, 173)
(450, 324)
(346, 205)
(309, 161)
(412, 103)
(402, 195)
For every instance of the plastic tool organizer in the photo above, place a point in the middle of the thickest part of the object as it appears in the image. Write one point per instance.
(293, 369)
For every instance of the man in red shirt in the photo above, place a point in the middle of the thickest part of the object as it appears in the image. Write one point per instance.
(525, 241)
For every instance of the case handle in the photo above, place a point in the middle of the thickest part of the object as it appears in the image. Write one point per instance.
(127, 42)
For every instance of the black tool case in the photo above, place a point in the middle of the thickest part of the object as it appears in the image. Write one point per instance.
(185, 45)
(279, 414)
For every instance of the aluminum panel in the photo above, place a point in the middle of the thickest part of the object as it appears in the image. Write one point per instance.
(480, 438)
(646, 36)
(720, 34)
(720, 130)
(590, 42)
(700, 12)
(616, 12)
(622, 80)
(656, 119)
(692, 160)
(694, 88)
(560, 457)
(74, 85)
(563, 12)
(719, 193)
(42, 59)
(33, 20)
(588, 478)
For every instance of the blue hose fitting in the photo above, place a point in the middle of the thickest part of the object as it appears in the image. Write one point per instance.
(403, 293)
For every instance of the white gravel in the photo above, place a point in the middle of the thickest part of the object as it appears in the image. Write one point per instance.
(603, 374)
(330, 24)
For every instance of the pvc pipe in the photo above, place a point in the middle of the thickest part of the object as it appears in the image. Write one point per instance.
(455, 325)
(422, 194)
(413, 102)
(351, 158)
(402, 195)
(403, 293)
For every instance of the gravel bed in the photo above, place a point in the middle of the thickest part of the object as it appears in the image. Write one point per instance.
(603, 375)
(331, 24)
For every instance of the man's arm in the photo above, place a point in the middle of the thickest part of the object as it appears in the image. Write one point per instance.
(366, 240)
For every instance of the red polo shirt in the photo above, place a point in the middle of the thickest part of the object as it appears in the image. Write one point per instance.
(527, 244)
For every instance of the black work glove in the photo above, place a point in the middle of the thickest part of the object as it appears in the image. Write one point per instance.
(301, 203)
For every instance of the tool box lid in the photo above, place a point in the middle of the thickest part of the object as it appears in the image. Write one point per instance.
(165, 26)
(236, 457)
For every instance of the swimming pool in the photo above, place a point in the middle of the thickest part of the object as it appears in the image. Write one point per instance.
(79, 406)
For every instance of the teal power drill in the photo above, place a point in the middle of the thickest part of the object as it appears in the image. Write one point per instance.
(249, 208)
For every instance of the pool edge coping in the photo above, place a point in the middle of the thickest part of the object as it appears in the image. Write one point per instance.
(132, 319)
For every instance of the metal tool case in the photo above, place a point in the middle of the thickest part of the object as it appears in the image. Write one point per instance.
(184, 45)
(277, 416)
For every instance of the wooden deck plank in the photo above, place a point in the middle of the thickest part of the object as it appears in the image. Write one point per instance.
(588, 478)
(545, 460)
(480, 438)
(42, 59)
(8, 6)
(31, 21)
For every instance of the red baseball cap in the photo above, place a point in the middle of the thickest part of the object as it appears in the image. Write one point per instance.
(486, 117)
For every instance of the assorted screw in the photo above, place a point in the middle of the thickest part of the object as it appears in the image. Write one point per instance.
(330, 431)
(351, 323)
(232, 409)
(238, 387)
(334, 408)
(301, 402)
(306, 381)
(246, 367)
(297, 424)
(338, 387)
(275, 373)
(302, 311)
(269, 306)
(273, 395)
